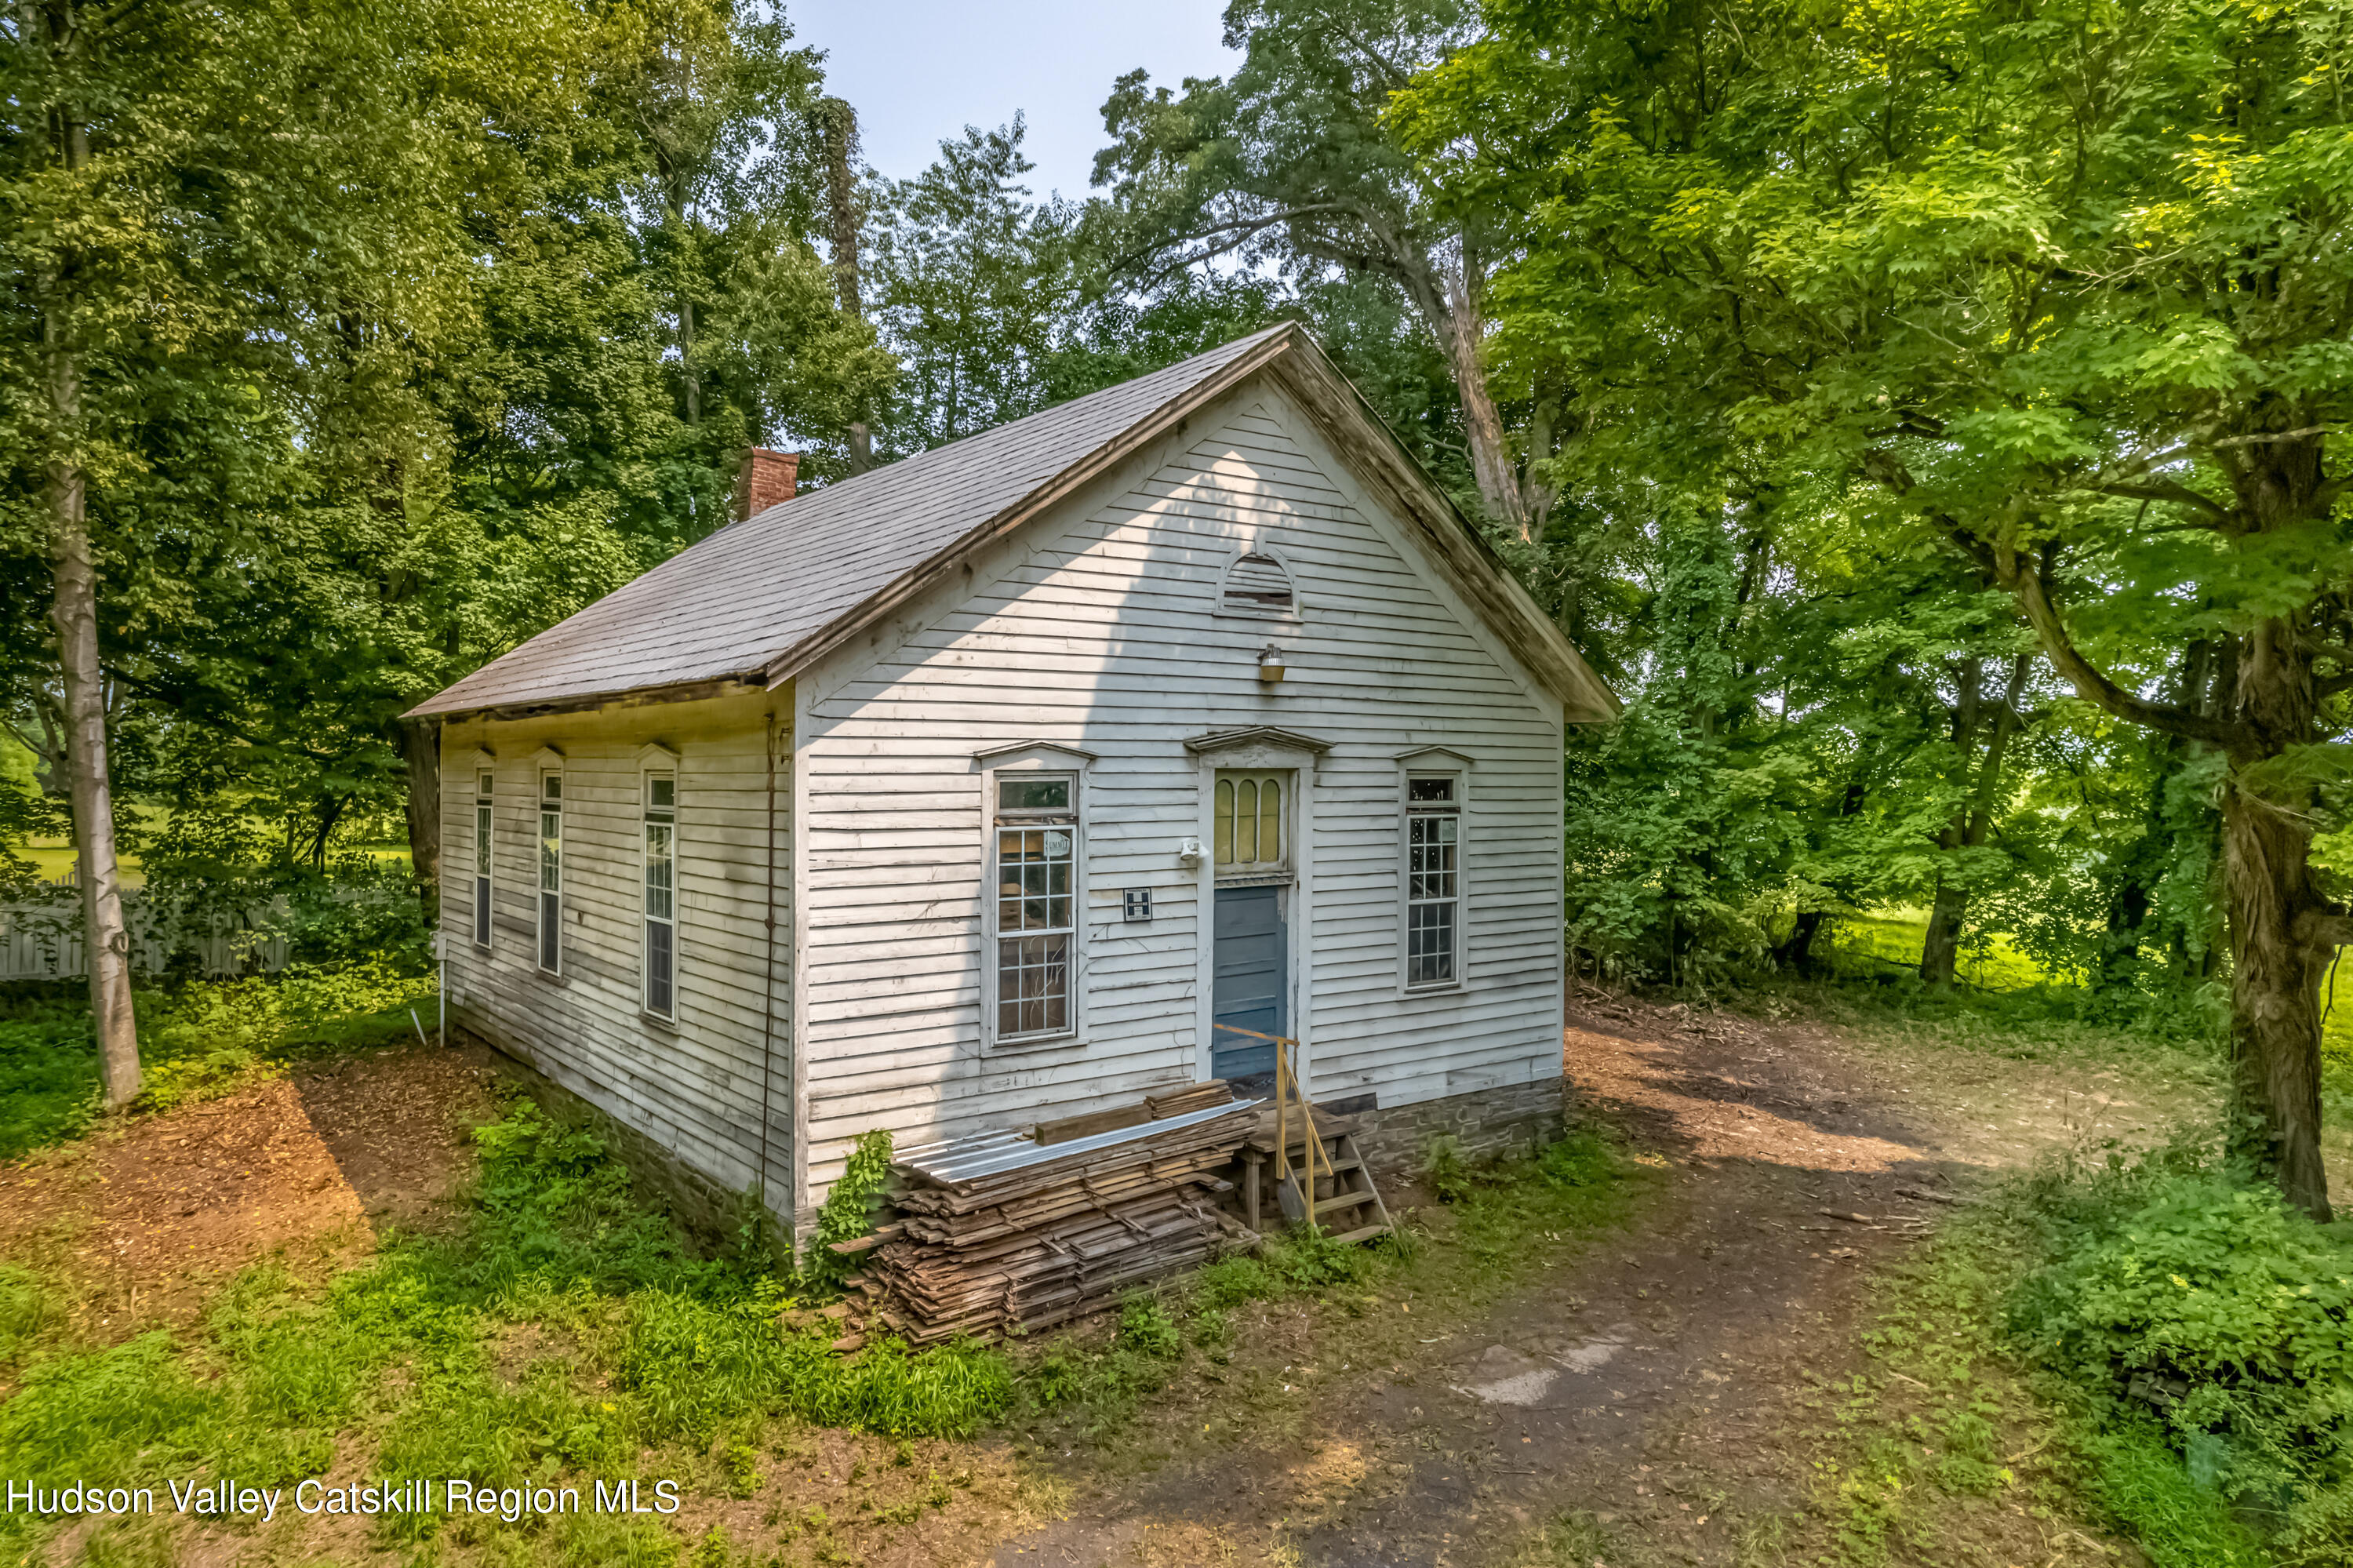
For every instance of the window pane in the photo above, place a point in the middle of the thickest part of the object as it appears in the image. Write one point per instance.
(482, 785)
(1224, 821)
(660, 872)
(551, 933)
(482, 911)
(551, 852)
(662, 794)
(658, 959)
(482, 841)
(551, 786)
(1270, 821)
(1033, 985)
(1429, 944)
(1439, 791)
(1245, 823)
(1033, 795)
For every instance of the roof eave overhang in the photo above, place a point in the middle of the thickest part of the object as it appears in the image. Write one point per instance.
(750, 683)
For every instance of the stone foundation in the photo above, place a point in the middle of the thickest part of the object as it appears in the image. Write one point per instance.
(1510, 1118)
(709, 1213)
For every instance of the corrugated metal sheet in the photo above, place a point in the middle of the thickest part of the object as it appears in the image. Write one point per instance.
(994, 1153)
(750, 592)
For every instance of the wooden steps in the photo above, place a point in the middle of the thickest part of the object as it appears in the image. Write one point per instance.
(1354, 1198)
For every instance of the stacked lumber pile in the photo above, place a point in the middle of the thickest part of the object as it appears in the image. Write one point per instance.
(997, 1232)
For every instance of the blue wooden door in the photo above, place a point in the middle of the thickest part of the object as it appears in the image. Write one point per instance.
(1250, 966)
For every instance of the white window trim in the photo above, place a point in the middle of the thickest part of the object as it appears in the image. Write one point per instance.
(1433, 763)
(550, 764)
(647, 772)
(482, 878)
(1291, 617)
(1043, 760)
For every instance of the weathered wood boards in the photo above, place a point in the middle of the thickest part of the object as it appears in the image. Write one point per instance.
(995, 1234)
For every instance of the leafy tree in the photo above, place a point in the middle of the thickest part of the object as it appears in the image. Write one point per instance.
(2060, 283)
(205, 205)
(1287, 164)
(976, 285)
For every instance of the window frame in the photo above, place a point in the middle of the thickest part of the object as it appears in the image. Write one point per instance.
(482, 905)
(1034, 763)
(648, 779)
(547, 920)
(1458, 812)
(1290, 615)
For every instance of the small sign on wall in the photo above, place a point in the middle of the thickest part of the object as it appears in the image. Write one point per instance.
(1138, 906)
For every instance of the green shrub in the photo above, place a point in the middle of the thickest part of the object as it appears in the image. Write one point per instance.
(1146, 1327)
(2211, 1313)
(1230, 1281)
(849, 1210)
(1310, 1259)
(2176, 1521)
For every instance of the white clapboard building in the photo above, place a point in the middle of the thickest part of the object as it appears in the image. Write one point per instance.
(1015, 780)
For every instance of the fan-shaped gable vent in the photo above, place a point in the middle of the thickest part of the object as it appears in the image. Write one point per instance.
(1258, 582)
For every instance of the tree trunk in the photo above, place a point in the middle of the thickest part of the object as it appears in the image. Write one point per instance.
(420, 754)
(2277, 959)
(1972, 824)
(1490, 464)
(106, 938)
(1794, 952)
(839, 122)
(1941, 951)
(1451, 310)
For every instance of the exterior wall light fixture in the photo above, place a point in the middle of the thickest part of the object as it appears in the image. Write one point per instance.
(1270, 664)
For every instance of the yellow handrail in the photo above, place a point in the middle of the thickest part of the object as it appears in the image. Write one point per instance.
(1286, 1089)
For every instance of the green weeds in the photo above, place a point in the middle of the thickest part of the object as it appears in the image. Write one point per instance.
(565, 1331)
(2148, 1338)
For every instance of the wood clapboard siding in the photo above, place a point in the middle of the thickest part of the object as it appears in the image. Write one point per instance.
(696, 1087)
(1095, 629)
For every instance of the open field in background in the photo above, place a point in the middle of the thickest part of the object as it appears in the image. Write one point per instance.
(55, 857)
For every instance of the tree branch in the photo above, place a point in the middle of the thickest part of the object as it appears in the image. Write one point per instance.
(2169, 490)
(2325, 928)
(2025, 582)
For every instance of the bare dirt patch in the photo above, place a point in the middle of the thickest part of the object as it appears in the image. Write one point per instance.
(1654, 1387)
(145, 1219)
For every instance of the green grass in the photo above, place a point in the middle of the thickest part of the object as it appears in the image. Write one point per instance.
(48, 1070)
(1868, 946)
(2004, 1355)
(649, 1353)
(197, 1041)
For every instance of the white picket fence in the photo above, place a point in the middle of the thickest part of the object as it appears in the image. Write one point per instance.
(42, 940)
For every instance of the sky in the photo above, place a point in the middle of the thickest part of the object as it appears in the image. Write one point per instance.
(919, 71)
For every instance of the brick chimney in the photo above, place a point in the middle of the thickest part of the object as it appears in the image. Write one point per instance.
(766, 479)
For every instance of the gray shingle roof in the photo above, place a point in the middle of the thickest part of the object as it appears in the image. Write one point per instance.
(761, 599)
(751, 592)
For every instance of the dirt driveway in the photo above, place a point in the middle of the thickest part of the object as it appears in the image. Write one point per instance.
(1653, 1385)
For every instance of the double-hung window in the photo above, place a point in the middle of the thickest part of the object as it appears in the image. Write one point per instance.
(483, 797)
(551, 872)
(661, 894)
(1433, 876)
(1036, 861)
